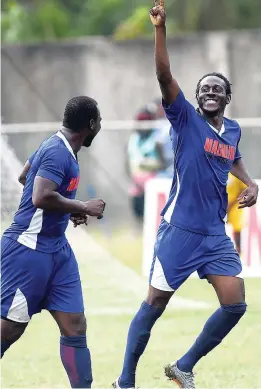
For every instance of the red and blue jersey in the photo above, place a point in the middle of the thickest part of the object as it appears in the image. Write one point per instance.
(203, 159)
(36, 228)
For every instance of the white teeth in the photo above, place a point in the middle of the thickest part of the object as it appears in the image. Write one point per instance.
(212, 101)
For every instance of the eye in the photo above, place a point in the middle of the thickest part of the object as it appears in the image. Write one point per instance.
(204, 89)
(218, 89)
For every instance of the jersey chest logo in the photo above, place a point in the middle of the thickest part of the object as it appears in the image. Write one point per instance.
(216, 149)
(73, 184)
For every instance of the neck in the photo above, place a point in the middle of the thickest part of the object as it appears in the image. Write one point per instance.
(74, 139)
(216, 121)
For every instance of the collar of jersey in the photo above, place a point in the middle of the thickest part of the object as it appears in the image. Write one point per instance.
(65, 141)
(222, 130)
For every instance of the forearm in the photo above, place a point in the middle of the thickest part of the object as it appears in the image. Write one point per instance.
(161, 56)
(55, 202)
(239, 170)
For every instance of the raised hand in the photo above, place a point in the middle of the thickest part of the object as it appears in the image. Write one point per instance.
(158, 14)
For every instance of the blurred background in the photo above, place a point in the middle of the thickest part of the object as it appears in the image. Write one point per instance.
(53, 50)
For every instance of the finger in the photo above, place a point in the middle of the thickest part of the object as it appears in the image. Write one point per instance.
(156, 2)
(253, 202)
(246, 203)
(242, 206)
(247, 199)
(100, 217)
(245, 193)
(162, 3)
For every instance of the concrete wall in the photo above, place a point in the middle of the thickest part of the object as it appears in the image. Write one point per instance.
(37, 80)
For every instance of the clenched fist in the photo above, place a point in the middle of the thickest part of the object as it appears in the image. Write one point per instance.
(158, 14)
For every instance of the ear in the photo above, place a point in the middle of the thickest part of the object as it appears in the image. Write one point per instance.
(92, 125)
(228, 99)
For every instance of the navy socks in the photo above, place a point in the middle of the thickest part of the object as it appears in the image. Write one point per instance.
(138, 337)
(214, 331)
(76, 360)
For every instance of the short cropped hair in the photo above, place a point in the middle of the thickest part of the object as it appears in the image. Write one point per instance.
(219, 75)
(78, 113)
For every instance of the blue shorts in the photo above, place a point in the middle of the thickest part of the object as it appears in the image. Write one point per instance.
(179, 253)
(32, 280)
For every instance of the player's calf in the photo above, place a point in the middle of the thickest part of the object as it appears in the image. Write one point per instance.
(215, 330)
(74, 352)
(10, 332)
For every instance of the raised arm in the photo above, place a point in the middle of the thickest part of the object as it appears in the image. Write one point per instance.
(168, 85)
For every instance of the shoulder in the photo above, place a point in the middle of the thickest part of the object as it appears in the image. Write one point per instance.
(54, 149)
(232, 123)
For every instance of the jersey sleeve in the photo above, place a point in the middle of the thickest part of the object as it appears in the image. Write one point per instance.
(238, 154)
(53, 165)
(178, 112)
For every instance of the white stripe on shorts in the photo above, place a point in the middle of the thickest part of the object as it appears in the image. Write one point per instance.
(158, 279)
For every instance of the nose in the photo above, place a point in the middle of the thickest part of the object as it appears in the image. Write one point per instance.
(211, 93)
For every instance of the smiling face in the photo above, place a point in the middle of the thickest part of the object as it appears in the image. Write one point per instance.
(212, 96)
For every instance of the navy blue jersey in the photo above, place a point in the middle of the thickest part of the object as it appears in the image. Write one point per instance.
(36, 228)
(203, 159)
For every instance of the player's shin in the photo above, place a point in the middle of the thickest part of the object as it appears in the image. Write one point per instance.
(214, 331)
(76, 360)
(138, 337)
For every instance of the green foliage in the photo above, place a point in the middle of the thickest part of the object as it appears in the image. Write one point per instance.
(41, 20)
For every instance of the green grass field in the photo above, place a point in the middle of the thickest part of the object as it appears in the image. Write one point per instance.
(113, 292)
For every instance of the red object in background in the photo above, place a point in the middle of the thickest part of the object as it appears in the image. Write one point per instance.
(162, 200)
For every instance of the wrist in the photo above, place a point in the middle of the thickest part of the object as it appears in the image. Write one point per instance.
(253, 184)
(160, 27)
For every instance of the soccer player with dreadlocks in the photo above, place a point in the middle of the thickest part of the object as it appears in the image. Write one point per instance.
(192, 236)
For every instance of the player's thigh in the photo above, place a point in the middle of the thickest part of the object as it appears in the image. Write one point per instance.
(177, 254)
(11, 331)
(65, 292)
(24, 278)
(229, 289)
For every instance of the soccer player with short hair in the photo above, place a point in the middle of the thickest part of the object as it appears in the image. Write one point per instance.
(39, 269)
(192, 236)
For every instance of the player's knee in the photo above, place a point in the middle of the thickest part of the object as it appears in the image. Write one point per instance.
(235, 309)
(159, 300)
(76, 326)
(11, 331)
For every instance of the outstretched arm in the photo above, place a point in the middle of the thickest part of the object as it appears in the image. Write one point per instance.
(168, 85)
(248, 197)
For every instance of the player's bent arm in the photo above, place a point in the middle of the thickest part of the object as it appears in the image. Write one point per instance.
(46, 197)
(248, 197)
(168, 85)
(24, 172)
(239, 170)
